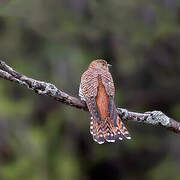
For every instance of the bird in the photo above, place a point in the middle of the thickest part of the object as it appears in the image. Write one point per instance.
(97, 90)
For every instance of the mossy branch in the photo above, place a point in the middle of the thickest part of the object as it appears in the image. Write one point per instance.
(44, 88)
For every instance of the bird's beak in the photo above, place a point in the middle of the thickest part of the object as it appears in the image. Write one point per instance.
(109, 65)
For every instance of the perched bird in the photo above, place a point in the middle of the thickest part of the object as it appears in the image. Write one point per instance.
(97, 90)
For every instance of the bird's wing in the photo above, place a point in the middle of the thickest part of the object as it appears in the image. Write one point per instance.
(89, 84)
(110, 89)
(107, 81)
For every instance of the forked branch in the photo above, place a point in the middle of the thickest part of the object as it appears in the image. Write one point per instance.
(44, 88)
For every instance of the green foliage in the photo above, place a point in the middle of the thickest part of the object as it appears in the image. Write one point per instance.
(54, 41)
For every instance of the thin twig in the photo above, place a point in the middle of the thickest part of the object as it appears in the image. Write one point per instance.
(45, 88)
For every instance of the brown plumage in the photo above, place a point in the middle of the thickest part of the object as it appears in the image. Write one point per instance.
(102, 99)
(97, 89)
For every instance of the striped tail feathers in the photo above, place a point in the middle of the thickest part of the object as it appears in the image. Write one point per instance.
(117, 132)
(102, 131)
(121, 127)
(112, 132)
(107, 131)
(96, 131)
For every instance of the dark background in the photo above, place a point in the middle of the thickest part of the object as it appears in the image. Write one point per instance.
(54, 41)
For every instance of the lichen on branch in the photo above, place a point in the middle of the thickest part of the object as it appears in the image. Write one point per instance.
(156, 118)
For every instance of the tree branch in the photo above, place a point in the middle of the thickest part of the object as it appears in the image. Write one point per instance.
(44, 88)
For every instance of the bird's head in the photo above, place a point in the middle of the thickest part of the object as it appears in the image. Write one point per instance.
(99, 64)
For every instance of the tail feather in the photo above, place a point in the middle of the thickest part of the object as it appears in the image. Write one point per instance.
(107, 131)
(123, 129)
(96, 131)
(109, 135)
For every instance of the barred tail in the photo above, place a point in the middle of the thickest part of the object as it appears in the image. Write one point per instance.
(123, 130)
(107, 131)
(96, 131)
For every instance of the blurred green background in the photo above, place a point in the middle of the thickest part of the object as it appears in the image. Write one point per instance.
(54, 41)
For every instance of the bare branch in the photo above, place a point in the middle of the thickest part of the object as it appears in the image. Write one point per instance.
(40, 87)
(45, 88)
(157, 118)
